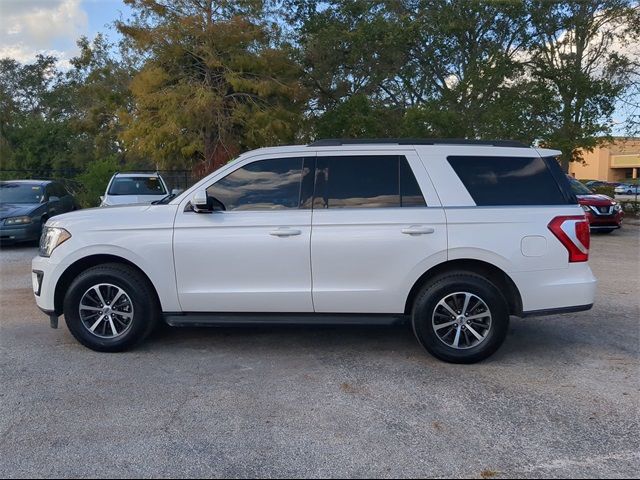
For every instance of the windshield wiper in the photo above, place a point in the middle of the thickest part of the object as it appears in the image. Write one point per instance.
(164, 200)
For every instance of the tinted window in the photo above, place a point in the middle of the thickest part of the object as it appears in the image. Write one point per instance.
(365, 182)
(122, 185)
(263, 185)
(410, 194)
(508, 180)
(56, 190)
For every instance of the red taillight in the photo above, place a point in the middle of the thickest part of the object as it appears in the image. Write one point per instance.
(573, 233)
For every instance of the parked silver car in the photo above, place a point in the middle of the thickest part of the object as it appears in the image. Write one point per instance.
(626, 189)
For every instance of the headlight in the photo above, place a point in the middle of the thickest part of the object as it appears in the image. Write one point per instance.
(18, 220)
(585, 208)
(617, 207)
(51, 238)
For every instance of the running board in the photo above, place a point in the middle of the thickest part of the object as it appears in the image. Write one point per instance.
(252, 319)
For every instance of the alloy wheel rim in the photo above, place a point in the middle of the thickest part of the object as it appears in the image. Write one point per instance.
(106, 311)
(461, 320)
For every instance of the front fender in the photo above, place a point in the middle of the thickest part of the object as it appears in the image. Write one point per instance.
(156, 263)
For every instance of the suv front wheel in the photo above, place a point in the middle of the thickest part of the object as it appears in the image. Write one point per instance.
(110, 308)
(460, 317)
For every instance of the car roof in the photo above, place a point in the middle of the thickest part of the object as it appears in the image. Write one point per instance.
(41, 183)
(336, 142)
(394, 143)
(136, 174)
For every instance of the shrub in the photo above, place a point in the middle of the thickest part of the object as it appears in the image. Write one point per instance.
(630, 207)
(94, 180)
(605, 190)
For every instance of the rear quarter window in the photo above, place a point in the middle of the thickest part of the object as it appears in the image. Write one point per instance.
(508, 180)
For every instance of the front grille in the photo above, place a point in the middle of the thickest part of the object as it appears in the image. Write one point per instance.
(606, 210)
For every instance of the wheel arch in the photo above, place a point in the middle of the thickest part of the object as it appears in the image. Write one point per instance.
(495, 274)
(82, 264)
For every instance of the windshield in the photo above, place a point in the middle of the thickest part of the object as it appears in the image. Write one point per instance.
(136, 186)
(20, 193)
(578, 188)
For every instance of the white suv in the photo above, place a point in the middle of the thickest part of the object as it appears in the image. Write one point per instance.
(454, 236)
(130, 188)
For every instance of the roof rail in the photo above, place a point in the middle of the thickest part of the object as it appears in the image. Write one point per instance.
(336, 142)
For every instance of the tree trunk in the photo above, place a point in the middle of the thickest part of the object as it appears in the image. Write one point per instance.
(565, 160)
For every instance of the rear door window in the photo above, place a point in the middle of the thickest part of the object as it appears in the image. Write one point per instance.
(366, 181)
(508, 180)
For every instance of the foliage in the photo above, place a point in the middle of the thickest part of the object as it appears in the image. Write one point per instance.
(607, 190)
(573, 58)
(630, 207)
(34, 131)
(93, 181)
(98, 91)
(212, 82)
(196, 81)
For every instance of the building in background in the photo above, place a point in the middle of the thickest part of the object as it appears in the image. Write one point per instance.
(618, 161)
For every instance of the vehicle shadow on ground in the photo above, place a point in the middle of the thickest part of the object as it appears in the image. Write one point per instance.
(289, 336)
(524, 340)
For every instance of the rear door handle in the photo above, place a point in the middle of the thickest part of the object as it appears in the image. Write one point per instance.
(285, 232)
(417, 230)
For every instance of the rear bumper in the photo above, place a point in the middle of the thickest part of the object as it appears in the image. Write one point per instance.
(561, 290)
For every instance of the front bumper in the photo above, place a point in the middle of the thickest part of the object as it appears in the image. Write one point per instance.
(20, 233)
(605, 221)
(44, 275)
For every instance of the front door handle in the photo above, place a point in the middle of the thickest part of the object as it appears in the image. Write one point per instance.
(417, 230)
(285, 232)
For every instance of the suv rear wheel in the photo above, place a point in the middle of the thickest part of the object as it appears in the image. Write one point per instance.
(460, 317)
(110, 308)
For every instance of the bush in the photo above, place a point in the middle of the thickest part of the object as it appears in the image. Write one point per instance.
(630, 207)
(605, 190)
(94, 180)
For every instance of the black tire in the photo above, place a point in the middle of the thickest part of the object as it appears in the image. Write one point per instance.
(426, 302)
(141, 302)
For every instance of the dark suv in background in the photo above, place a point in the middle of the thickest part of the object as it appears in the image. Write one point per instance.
(25, 206)
(604, 213)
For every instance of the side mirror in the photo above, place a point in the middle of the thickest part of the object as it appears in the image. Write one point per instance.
(177, 191)
(202, 203)
(199, 202)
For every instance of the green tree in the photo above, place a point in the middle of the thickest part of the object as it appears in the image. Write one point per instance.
(215, 80)
(464, 70)
(577, 55)
(349, 51)
(97, 89)
(34, 131)
(416, 67)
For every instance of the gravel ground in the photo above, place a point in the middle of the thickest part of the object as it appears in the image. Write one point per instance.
(560, 399)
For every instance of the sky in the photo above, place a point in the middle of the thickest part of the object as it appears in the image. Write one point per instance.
(28, 27)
